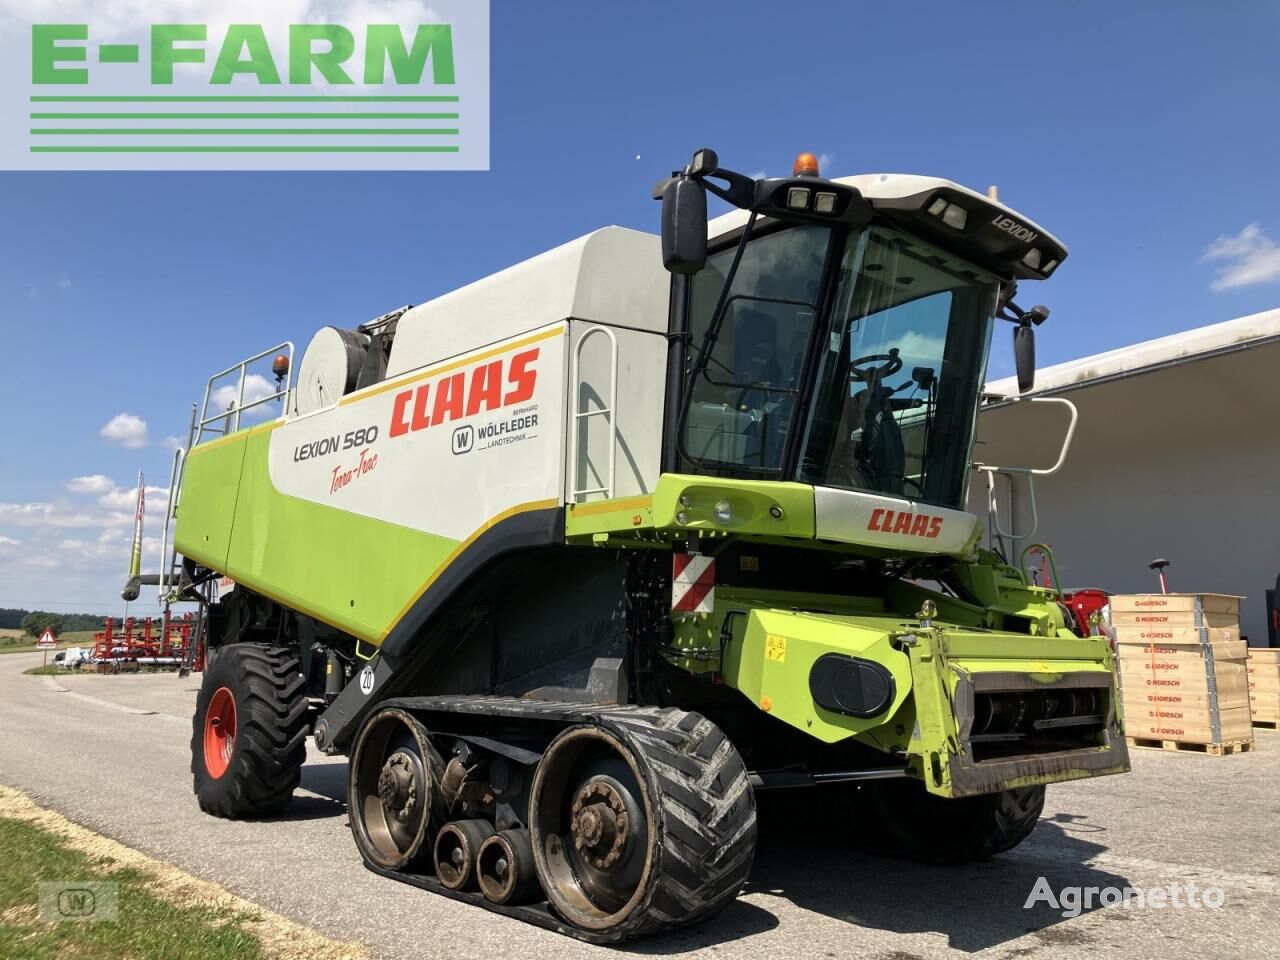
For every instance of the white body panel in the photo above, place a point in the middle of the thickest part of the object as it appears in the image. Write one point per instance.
(892, 523)
(612, 276)
(445, 449)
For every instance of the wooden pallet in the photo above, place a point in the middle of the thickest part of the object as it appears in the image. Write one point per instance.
(1183, 746)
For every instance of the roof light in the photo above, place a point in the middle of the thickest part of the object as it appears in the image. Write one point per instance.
(955, 216)
(1048, 267)
(1032, 258)
(937, 208)
(824, 203)
(798, 198)
(806, 165)
(704, 161)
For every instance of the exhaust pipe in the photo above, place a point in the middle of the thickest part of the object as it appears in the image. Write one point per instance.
(505, 868)
(456, 847)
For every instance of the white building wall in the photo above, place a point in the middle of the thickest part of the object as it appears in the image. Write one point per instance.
(1180, 462)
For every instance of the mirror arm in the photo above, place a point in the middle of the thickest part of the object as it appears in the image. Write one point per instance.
(741, 191)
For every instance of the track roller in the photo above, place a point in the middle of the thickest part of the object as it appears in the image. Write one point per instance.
(457, 846)
(505, 869)
(393, 784)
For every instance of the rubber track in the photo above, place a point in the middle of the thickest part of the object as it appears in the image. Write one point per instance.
(271, 731)
(706, 817)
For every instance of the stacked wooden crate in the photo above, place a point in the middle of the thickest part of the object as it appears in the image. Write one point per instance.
(1183, 672)
(1264, 686)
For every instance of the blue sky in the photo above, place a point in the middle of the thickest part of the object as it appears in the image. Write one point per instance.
(1143, 134)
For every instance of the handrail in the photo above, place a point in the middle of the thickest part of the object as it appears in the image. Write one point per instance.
(1066, 441)
(1047, 553)
(171, 509)
(234, 412)
(579, 414)
(1029, 472)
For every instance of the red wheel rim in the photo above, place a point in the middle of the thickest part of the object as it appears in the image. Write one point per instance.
(219, 732)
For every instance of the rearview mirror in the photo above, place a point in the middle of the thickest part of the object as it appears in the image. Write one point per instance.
(1024, 356)
(684, 225)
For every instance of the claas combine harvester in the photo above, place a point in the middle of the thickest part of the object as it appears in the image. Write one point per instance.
(575, 561)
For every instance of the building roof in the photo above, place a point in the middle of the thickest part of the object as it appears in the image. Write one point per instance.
(1186, 347)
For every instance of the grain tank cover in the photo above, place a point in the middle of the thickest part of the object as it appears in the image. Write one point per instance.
(612, 276)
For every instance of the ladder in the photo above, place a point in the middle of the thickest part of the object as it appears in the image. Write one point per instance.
(581, 414)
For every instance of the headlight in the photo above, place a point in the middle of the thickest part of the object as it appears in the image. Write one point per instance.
(723, 511)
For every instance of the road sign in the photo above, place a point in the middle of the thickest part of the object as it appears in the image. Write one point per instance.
(47, 639)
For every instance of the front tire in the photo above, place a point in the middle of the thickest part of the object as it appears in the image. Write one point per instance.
(248, 738)
(900, 818)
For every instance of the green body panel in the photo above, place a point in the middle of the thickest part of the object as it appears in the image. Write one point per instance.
(283, 547)
(754, 504)
(210, 484)
(771, 665)
(936, 668)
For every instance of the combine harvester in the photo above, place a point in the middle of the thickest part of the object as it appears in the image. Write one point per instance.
(573, 560)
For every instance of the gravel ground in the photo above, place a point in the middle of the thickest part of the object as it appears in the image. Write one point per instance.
(112, 753)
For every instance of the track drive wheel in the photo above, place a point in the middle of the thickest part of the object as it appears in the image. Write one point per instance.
(393, 790)
(900, 818)
(641, 824)
(248, 738)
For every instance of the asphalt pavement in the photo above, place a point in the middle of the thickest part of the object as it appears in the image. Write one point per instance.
(112, 753)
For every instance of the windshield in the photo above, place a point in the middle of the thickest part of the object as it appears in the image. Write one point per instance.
(899, 365)
(900, 372)
(747, 377)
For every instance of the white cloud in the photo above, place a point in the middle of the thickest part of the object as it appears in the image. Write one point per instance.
(126, 430)
(6, 542)
(45, 515)
(255, 388)
(1247, 258)
(171, 443)
(825, 161)
(64, 281)
(126, 498)
(94, 485)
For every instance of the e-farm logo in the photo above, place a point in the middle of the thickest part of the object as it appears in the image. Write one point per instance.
(406, 86)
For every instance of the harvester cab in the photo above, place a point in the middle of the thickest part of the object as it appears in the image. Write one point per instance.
(574, 560)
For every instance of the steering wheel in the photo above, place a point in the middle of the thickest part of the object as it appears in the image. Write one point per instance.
(891, 364)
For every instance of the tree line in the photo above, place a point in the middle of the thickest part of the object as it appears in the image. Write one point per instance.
(35, 622)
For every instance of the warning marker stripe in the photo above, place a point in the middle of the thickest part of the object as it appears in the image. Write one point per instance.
(693, 583)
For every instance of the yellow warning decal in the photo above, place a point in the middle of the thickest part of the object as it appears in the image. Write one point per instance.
(775, 647)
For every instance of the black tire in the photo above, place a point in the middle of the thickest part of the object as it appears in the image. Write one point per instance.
(256, 774)
(701, 831)
(900, 818)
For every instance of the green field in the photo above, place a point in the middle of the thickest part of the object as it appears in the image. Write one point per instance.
(147, 927)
